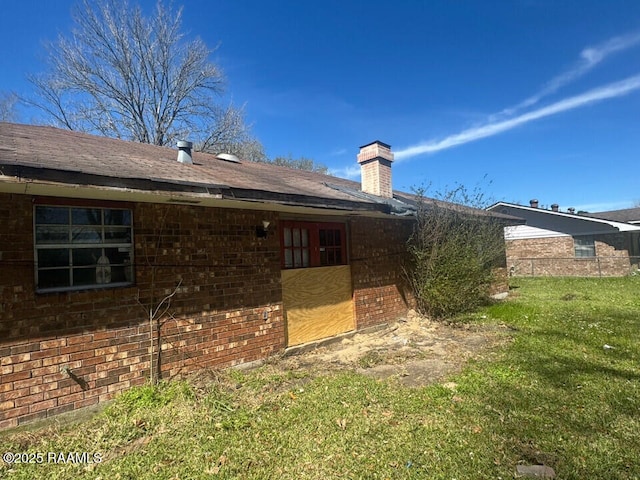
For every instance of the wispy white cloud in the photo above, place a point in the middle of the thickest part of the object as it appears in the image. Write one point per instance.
(338, 151)
(349, 172)
(612, 90)
(590, 57)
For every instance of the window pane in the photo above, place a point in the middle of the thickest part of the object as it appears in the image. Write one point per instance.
(305, 258)
(53, 257)
(338, 257)
(296, 237)
(305, 237)
(323, 257)
(584, 247)
(288, 259)
(338, 238)
(46, 235)
(51, 228)
(84, 276)
(121, 274)
(53, 278)
(297, 258)
(86, 256)
(86, 216)
(287, 237)
(330, 234)
(323, 237)
(117, 217)
(52, 215)
(117, 235)
(118, 256)
(331, 258)
(86, 234)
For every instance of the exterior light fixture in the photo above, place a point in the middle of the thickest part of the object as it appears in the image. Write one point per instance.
(263, 230)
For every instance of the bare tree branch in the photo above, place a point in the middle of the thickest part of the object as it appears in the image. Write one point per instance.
(124, 75)
(8, 101)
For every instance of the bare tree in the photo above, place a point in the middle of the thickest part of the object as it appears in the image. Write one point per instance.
(124, 75)
(302, 163)
(8, 103)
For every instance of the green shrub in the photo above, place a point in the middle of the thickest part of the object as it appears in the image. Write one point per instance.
(453, 251)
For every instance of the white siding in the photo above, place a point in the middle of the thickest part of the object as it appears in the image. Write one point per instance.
(521, 232)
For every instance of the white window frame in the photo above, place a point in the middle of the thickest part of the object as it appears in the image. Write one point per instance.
(103, 271)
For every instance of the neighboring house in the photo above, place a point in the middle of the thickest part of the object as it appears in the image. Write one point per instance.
(254, 257)
(556, 243)
(627, 215)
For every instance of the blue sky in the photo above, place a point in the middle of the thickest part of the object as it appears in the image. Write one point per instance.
(540, 97)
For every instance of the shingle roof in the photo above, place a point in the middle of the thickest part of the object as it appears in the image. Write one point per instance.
(63, 150)
(51, 154)
(530, 213)
(629, 215)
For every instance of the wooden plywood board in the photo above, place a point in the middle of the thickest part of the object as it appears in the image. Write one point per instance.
(317, 303)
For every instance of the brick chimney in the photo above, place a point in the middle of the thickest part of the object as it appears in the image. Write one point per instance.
(375, 165)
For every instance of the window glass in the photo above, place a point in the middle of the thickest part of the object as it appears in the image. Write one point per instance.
(86, 256)
(86, 234)
(84, 276)
(53, 257)
(288, 259)
(51, 234)
(86, 216)
(117, 235)
(306, 244)
(52, 215)
(584, 246)
(79, 247)
(57, 278)
(287, 237)
(117, 217)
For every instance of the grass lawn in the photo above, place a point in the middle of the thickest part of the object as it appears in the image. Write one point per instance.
(564, 393)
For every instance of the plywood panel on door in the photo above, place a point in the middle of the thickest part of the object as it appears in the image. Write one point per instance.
(317, 303)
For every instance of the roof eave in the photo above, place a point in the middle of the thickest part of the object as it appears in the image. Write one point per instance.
(36, 181)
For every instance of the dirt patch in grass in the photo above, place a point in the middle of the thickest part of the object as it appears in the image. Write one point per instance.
(415, 351)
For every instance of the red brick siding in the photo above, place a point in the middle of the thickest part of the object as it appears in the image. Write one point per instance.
(556, 257)
(229, 279)
(378, 252)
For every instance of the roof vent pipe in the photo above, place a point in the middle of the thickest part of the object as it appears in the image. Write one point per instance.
(533, 203)
(571, 210)
(184, 152)
(555, 207)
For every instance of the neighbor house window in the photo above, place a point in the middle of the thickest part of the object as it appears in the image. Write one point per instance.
(310, 244)
(82, 247)
(584, 246)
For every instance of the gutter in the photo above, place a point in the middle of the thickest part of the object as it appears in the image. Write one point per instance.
(65, 178)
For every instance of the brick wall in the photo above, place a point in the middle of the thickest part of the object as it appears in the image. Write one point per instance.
(556, 257)
(378, 252)
(229, 280)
